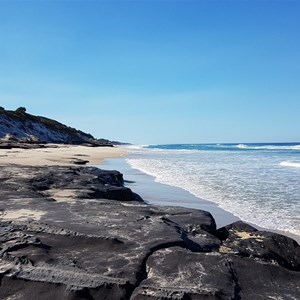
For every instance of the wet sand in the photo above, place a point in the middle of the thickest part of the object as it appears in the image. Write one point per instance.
(155, 193)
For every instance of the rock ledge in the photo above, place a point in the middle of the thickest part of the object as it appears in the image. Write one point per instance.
(77, 233)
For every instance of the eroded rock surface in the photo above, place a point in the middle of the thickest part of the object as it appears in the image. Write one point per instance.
(177, 273)
(78, 233)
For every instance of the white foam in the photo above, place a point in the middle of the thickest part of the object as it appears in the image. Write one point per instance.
(290, 164)
(251, 192)
(268, 147)
(242, 146)
(135, 147)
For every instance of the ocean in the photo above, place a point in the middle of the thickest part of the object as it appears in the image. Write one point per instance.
(259, 183)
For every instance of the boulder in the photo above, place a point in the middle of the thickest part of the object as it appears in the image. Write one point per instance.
(244, 240)
(177, 273)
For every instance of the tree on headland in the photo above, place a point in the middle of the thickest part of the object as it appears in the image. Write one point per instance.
(21, 110)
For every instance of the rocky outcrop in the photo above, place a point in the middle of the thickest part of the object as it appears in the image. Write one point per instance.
(78, 233)
(19, 129)
(178, 273)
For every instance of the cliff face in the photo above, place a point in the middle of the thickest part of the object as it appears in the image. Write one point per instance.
(26, 128)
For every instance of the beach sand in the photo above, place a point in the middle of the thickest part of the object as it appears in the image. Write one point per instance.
(61, 155)
(109, 158)
(58, 155)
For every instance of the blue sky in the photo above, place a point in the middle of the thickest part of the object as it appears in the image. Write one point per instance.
(156, 71)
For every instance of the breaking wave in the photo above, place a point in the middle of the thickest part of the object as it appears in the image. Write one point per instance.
(290, 164)
(268, 147)
(260, 187)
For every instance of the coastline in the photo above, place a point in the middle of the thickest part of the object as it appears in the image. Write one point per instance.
(114, 158)
(159, 194)
(155, 193)
(81, 231)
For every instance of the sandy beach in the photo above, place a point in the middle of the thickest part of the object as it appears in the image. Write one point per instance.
(54, 155)
(107, 158)
(62, 155)
(66, 225)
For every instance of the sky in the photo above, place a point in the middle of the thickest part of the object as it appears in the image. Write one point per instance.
(156, 72)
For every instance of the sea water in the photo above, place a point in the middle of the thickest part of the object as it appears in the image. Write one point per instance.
(259, 183)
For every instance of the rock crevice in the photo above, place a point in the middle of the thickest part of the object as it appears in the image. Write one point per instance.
(237, 287)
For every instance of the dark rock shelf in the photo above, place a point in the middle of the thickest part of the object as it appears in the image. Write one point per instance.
(77, 233)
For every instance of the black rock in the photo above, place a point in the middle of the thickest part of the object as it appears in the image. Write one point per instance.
(177, 273)
(244, 240)
(77, 161)
(239, 226)
(78, 233)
